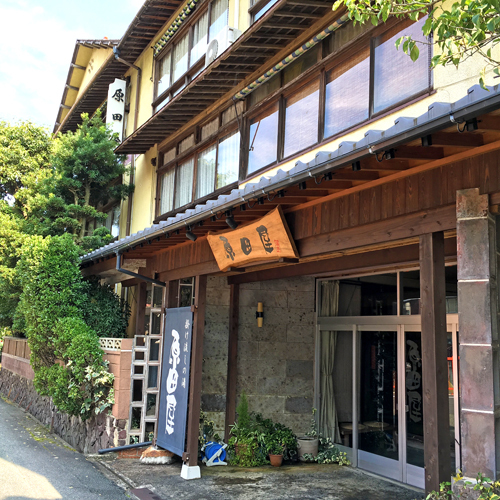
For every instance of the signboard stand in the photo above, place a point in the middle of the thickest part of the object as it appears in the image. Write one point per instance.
(190, 472)
(174, 389)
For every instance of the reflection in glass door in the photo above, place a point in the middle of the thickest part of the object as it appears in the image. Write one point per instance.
(378, 412)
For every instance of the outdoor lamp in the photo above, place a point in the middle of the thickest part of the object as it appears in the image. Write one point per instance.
(230, 220)
(260, 314)
(190, 235)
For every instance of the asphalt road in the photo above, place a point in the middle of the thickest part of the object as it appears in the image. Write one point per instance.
(34, 465)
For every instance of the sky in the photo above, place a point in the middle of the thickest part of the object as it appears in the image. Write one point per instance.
(37, 40)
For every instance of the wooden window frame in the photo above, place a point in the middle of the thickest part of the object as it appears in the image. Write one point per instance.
(193, 152)
(257, 6)
(193, 67)
(319, 70)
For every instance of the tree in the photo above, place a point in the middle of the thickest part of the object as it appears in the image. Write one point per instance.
(460, 30)
(25, 151)
(86, 167)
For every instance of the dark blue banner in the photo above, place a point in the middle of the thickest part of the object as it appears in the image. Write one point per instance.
(174, 388)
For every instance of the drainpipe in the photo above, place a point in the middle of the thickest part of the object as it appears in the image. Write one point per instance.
(116, 51)
(136, 275)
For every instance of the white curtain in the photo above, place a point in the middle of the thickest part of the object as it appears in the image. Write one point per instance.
(200, 31)
(328, 418)
(167, 191)
(228, 160)
(205, 172)
(184, 183)
(219, 17)
(180, 57)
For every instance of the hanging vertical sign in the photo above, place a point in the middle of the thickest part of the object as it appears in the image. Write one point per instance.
(174, 388)
(115, 112)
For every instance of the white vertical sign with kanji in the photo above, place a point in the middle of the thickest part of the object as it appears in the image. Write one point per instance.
(115, 113)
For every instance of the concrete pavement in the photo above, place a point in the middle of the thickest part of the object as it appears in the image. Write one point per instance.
(36, 465)
(290, 482)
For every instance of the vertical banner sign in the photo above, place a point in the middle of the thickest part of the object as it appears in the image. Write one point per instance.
(115, 111)
(174, 388)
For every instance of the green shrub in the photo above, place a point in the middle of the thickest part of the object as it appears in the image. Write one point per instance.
(55, 304)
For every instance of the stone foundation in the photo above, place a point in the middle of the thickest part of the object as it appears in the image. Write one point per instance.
(102, 431)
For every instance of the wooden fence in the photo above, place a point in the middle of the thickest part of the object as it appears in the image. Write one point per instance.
(16, 347)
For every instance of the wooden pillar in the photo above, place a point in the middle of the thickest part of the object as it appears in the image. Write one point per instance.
(193, 429)
(141, 307)
(434, 361)
(477, 256)
(232, 359)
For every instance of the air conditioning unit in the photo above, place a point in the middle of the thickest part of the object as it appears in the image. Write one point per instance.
(220, 43)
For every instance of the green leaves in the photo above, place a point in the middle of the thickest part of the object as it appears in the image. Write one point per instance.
(463, 29)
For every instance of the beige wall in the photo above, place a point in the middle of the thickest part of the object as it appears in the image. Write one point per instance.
(95, 61)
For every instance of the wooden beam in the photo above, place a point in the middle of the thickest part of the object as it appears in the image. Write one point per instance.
(434, 361)
(417, 152)
(397, 228)
(193, 427)
(141, 307)
(464, 140)
(487, 148)
(232, 359)
(364, 261)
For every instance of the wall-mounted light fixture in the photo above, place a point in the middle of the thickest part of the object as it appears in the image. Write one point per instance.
(190, 235)
(230, 220)
(260, 314)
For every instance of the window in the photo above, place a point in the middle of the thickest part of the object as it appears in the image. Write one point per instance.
(260, 7)
(396, 77)
(352, 89)
(263, 148)
(211, 168)
(347, 95)
(185, 58)
(301, 119)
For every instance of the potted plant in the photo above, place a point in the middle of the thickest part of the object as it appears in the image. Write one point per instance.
(275, 450)
(308, 444)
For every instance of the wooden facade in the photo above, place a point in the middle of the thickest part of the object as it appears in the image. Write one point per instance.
(387, 208)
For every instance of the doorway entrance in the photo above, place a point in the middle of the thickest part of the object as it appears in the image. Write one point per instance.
(369, 390)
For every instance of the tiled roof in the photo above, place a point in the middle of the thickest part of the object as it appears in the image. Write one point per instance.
(439, 116)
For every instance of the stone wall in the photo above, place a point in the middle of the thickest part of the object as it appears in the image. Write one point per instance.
(275, 362)
(215, 344)
(88, 436)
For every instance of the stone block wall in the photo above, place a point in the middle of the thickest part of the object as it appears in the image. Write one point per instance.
(276, 362)
(102, 431)
(215, 344)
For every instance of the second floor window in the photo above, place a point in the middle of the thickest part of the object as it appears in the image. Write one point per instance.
(352, 88)
(196, 177)
(184, 59)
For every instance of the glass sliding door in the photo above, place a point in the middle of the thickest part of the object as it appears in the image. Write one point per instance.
(369, 372)
(378, 426)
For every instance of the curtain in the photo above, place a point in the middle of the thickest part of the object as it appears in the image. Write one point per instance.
(184, 183)
(219, 17)
(167, 191)
(180, 58)
(200, 31)
(328, 418)
(164, 80)
(229, 160)
(205, 172)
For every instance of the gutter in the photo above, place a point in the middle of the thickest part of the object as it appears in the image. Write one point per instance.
(326, 162)
(136, 275)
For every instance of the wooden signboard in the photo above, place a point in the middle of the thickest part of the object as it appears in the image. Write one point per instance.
(266, 239)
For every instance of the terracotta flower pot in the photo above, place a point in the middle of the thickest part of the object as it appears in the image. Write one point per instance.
(307, 445)
(276, 460)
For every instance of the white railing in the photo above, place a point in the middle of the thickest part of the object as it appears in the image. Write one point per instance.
(108, 344)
